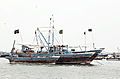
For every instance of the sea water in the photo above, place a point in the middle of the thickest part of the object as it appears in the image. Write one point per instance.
(100, 69)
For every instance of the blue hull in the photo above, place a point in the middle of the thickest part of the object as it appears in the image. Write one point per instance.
(70, 58)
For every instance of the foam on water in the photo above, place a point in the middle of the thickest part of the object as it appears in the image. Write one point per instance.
(3, 60)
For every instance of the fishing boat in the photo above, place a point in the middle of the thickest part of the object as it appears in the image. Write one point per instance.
(57, 54)
(48, 52)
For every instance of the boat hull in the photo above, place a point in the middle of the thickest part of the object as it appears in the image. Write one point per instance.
(33, 59)
(57, 59)
(77, 59)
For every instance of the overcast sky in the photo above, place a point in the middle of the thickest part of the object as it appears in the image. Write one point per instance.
(73, 16)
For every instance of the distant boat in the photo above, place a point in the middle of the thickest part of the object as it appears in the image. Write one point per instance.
(4, 54)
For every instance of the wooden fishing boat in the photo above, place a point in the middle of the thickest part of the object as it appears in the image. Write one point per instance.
(58, 54)
(53, 56)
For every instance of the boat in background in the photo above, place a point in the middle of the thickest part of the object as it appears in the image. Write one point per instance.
(4, 54)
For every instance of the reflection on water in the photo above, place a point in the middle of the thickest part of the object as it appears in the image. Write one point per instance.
(98, 70)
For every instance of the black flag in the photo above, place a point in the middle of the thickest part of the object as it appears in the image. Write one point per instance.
(50, 18)
(35, 32)
(61, 32)
(90, 30)
(84, 33)
(16, 31)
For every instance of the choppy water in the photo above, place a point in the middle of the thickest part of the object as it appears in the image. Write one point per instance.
(101, 69)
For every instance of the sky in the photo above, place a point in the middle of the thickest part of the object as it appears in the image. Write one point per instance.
(73, 16)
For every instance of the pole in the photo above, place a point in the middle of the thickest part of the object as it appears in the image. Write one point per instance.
(62, 40)
(85, 40)
(93, 44)
(93, 40)
(52, 30)
(13, 48)
(49, 41)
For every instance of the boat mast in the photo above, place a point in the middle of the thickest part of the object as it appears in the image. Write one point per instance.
(49, 41)
(36, 37)
(85, 40)
(52, 19)
(49, 32)
(93, 43)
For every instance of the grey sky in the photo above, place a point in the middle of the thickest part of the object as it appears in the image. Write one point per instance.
(73, 16)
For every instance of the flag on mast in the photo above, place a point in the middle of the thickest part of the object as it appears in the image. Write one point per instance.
(90, 30)
(84, 33)
(16, 31)
(50, 18)
(61, 32)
